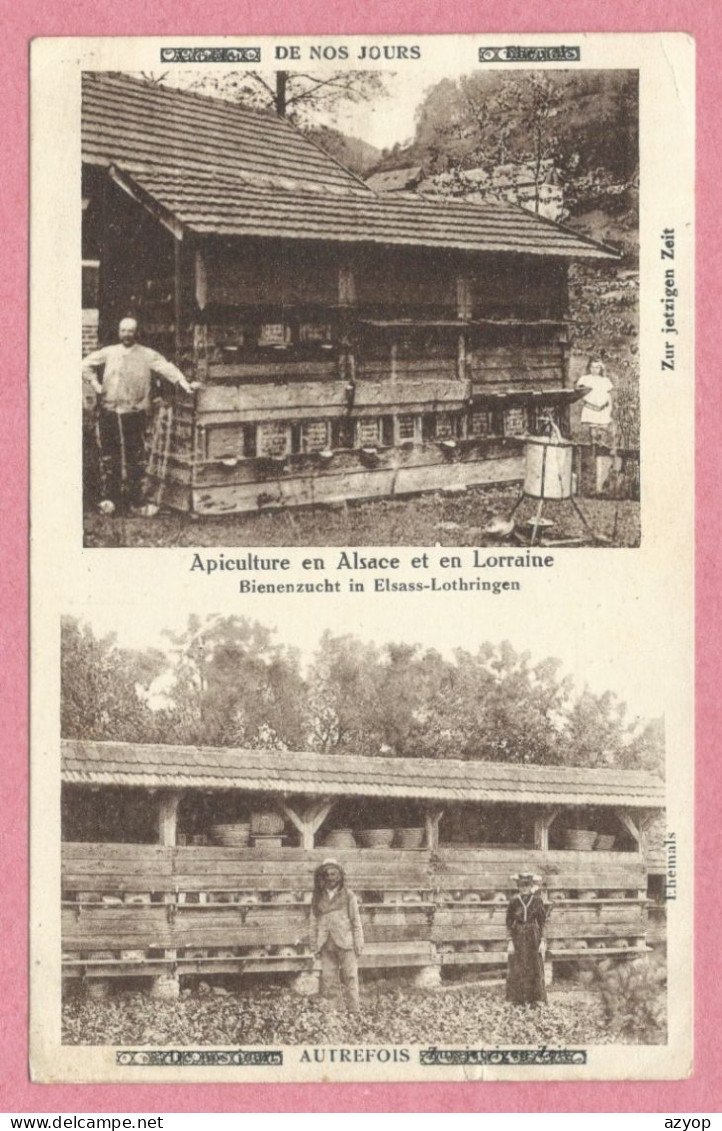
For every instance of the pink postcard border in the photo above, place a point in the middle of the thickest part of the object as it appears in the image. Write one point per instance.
(702, 1091)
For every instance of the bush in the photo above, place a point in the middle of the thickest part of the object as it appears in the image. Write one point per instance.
(634, 998)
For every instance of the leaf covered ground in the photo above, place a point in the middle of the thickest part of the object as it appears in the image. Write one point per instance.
(467, 1015)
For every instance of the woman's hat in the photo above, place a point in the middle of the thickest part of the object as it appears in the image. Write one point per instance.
(524, 878)
(330, 862)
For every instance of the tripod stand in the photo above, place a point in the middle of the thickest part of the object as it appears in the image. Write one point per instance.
(548, 475)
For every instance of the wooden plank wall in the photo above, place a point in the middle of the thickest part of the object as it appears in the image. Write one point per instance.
(124, 904)
(533, 365)
(291, 426)
(269, 272)
(522, 287)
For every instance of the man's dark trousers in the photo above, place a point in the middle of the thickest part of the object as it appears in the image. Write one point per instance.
(121, 437)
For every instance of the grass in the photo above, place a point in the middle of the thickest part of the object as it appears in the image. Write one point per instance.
(433, 519)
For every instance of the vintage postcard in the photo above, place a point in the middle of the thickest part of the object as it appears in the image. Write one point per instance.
(354, 320)
(362, 408)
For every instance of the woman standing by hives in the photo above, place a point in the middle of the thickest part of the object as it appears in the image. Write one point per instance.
(526, 948)
(337, 934)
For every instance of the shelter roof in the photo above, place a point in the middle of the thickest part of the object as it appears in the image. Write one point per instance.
(212, 167)
(293, 772)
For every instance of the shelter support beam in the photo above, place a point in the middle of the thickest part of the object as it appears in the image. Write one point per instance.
(177, 297)
(168, 803)
(464, 305)
(632, 827)
(542, 823)
(567, 375)
(162, 215)
(309, 821)
(346, 284)
(432, 818)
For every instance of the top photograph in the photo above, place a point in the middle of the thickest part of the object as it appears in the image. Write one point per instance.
(360, 308)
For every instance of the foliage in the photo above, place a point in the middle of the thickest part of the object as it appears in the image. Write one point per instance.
(352, 152)
(585, 123)
(633, 996)
(585, 127)
(232, 686)
(268, 1016)
(102, 685)
(224, 681)
(646, 749)
(298, 95)
(627, 415)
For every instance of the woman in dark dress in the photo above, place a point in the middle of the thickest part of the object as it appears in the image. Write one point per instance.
(525, 918)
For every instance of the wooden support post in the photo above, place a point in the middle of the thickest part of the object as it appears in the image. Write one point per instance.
(346, 285)
(431, 822)
(563, 291)
(528, 826)
(631, 826)
(106, 271)
(568, 382)
(347, 300)
(463, 297)
(461, 357)
(293, 817)
(320, 813)
(646, 820)
(168, 817)
(178, 296)
(542, 823)
(309, 822)
(566, 351)
(200, 279)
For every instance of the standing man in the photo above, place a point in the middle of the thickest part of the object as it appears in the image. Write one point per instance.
(337, 934)
(123, 397)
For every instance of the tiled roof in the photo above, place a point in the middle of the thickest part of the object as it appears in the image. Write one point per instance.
(394, 179)
(217, 168)
(212, 204)
(274, 771)
(145, 128)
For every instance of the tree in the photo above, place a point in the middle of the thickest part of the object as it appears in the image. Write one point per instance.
(495, 705)
(352, 152)
(343, 697)
(543, 105)
(225, 681)
(233, 686)
(596, 731)
(297, 95)
(103, 688)
(646, 749)
(587, 124)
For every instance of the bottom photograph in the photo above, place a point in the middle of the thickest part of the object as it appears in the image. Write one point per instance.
(354, 842)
